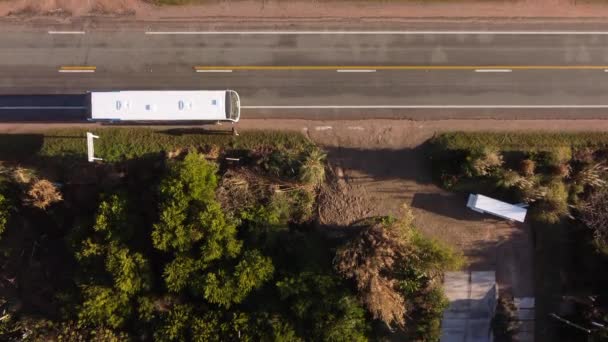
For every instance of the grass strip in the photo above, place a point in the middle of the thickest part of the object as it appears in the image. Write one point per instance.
(512, 141)
(115, 144)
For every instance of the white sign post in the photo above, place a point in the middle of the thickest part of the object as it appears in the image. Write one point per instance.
(90, 148)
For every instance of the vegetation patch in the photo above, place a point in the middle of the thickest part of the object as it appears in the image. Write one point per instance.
(179, 236)
(562, 176)
(548, 171)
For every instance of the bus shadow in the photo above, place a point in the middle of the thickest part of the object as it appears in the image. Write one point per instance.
(19, 146)
(43, 108)
(196, 131)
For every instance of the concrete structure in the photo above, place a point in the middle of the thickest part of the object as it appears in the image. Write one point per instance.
(472, 299)
(484, 204)
(525, 307)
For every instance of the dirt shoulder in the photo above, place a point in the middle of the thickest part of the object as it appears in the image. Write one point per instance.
(316, 10)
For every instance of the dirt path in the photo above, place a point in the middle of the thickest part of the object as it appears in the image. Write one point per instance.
(384, 165)
(317, 10)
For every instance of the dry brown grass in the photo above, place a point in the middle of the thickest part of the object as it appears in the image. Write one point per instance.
(527, 167)
(366, 260)
(42, 194)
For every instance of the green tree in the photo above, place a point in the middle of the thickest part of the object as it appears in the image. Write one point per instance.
(110, 303)
(207, 256)
(229, 287)
(129, 270)
(396, 270)
(104, 306)
(176, 324)
(323, 309)
(185, 193)
(5, 208)
(179, 271)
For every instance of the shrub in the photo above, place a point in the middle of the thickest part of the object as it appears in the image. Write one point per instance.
(527, 167)
(235, 192)
(428, 314)
(435, 255)
(555, 203)
(280, 164)
(562, 170)
(279, 208)
(392, 265)
(591, 175)
(42, 194)
(312, 170)
(367, 259)
(557, 156)
(530, 191)
(575, 191)
(505, 322)
(22, 175)
(594, 213)
(483, 162)
(556, 195)
(303, 204)
(5, 208)
(584, 155)
(509, 179)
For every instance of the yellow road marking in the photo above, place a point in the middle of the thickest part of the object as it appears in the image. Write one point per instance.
(400, 67)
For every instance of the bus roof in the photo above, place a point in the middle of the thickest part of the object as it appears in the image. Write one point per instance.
(191, 105)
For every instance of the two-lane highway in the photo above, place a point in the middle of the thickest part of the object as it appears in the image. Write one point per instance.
(406, 72)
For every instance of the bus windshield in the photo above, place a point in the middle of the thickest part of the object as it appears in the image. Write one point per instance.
(233, 106)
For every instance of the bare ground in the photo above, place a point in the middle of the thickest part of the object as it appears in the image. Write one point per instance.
(317, 10)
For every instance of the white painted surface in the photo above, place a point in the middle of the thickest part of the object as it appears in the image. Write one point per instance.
(67, 32)
(356, 70)
(77, 70)
(158, 105)
(481, 203)
(493, 70)
(215, 70)
(90, 147)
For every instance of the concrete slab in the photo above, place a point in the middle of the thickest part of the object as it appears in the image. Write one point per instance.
(524, 337)
(525, 314)
(472, 301)
(524, 302)
(456, 285)
(479, 329)
(454, 324)
(448, 336)
(526, 326)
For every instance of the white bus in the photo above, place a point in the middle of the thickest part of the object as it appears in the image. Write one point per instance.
(170, 105)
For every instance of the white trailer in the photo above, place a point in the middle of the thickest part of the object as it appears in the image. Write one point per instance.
(141, 105)
(483, 204)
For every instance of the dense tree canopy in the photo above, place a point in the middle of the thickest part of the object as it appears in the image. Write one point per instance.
(4, 212)
(174, 259)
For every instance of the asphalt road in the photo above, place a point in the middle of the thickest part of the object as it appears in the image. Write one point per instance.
(389, 74)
